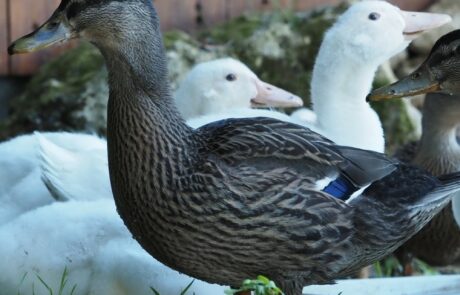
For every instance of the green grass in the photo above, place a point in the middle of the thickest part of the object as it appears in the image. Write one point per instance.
(260, 286)
(184, 292)
(63, 283)
(390, 267)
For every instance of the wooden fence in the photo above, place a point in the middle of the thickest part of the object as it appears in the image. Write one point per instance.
(18, 17)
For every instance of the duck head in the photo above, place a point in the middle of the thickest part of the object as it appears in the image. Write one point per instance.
(92, 19)
(439, 73)
(374, 31)
(219, 85)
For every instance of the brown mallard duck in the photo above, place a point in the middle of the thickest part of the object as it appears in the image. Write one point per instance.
(241, 197)
(438, 151)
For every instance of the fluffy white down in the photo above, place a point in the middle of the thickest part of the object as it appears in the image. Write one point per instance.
(17, 155)
(344, 71)
(122, 267)
(91, 241)
(64, 171)
(21, 188)
(305, 116)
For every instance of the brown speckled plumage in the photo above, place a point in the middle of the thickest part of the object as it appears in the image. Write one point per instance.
(438, 152)
(239, 198)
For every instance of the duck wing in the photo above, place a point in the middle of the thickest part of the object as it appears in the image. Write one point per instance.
(266, 175)
(266, 143)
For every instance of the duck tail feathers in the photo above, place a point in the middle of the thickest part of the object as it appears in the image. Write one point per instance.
(443, 193)
(365, 167)
(450, 182)
(48, 153)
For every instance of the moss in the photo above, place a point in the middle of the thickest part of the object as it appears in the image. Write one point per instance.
(57, 96)
(183, 51)
(239, 28)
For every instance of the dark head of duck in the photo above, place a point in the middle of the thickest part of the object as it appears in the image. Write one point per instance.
(440, 72)
(105, 23)
(121, 29)
(443, 63)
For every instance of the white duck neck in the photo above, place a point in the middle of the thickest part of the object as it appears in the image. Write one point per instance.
(339, 89)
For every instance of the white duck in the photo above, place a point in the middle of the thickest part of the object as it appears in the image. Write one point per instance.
(227, 84)
(365, 36)
(70, 158)
(64, 171)
(21, 188)
(90, 241)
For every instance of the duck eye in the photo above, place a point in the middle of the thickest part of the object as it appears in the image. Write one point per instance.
(374, 16)
(231, 77)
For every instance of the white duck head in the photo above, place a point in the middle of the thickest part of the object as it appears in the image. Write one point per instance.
(219, 85)
(365, 36)
(374, 31)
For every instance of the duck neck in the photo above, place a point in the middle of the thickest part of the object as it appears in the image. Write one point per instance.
(339, 88)
(439, 150)
(138, 73)
(148, 142)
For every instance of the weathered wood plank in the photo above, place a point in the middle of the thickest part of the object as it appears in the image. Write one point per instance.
(177, 14)
(3, 38)
(238, 7)
(213, 11)
(26, 16)
(309, 4)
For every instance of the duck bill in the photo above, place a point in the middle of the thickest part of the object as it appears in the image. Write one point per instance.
(419, 22)
(52, 32)
(269, 95)
(414, 84)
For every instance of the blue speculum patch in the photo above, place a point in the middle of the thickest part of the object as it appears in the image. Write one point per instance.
(341, 188)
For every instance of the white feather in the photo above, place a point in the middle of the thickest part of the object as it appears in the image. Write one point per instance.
(90, 240)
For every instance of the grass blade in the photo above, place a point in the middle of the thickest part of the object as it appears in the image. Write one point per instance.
(187, 288)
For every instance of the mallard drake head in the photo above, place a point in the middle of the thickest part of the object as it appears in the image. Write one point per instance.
(438, 73)
(92, 19)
